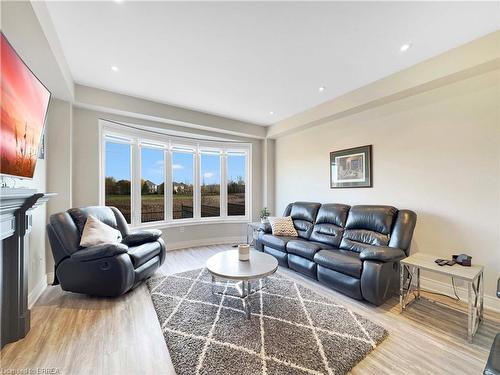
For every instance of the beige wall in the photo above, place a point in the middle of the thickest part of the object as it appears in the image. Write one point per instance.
(51, 175)
(268, 171)
(59, 163)
(134, 107)
(86, 178)
(437, 153)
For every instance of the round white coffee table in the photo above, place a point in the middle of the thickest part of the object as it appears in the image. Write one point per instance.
(226, 265)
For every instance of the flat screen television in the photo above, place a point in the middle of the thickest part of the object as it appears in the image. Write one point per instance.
(24, 102)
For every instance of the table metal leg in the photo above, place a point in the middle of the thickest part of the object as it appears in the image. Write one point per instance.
(401, 287)
(469, 312)
(244, 291)
(418, 283)
(246, 294)
(481, 296)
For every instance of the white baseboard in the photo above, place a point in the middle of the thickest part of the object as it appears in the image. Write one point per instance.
(50, 278)
(205, 242)
(36, 292)
(490, 302)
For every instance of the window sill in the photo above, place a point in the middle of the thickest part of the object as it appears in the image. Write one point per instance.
(189, 222)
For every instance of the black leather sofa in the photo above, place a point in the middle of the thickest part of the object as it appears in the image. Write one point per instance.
(355, 250)
(107, 269)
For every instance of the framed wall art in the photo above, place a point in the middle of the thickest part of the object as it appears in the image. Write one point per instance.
(351, 168)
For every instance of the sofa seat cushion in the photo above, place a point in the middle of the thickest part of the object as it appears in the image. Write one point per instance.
(305, 249)
(343, 261)
(276, 242)
(142, 253)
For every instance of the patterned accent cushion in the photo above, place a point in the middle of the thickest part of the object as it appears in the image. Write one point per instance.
(283, 226)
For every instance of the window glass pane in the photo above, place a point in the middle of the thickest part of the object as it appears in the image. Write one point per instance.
(182, 181)
(210, 185)
(152, 184)
(236, 165)
(117, 172)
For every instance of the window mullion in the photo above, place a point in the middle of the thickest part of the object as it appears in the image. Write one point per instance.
(169, 204)
(136, 184)
(223, 185)
(248, 187)
(102, 186)
(197, 184)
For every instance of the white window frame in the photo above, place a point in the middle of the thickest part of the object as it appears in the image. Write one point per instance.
(115, 138)
(234, 152)
(137, 137)
(195, 189)
(142, 143)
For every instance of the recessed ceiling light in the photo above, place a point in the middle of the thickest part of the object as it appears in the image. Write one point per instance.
(271, 113)
(118, 1)
(321, 88)
(405, 47)
(114, 68)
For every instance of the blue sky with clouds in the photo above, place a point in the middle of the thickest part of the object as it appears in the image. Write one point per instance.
(117, 161)
(152, 167)
(182, 167)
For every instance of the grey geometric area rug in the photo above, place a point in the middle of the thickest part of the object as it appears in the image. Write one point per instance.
(292, 329)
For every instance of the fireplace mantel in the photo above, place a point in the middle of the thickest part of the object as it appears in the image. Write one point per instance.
(16, 206)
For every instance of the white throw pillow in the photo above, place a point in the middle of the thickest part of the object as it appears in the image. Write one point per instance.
(96, 232)
(283, 226)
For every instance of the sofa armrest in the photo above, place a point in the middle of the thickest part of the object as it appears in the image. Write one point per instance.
(265, 228)
(104, 250)
(382, 253)
(141, 237)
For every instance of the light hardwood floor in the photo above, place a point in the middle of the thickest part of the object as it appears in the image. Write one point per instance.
(82, 335)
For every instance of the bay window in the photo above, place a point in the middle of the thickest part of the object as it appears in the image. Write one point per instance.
(157, 179)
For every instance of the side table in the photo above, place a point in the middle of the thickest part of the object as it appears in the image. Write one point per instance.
(473, 276)
(252, 229)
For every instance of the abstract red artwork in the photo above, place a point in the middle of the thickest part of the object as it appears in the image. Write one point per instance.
(24, 102)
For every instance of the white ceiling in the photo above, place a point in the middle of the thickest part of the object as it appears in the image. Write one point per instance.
(244, 60)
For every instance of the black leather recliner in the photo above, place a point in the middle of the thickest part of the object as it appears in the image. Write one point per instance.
(107, 269)
(355, 250)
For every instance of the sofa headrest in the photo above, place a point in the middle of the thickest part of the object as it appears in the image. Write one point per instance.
(333, 213)
(376, 218)
(305, 211)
